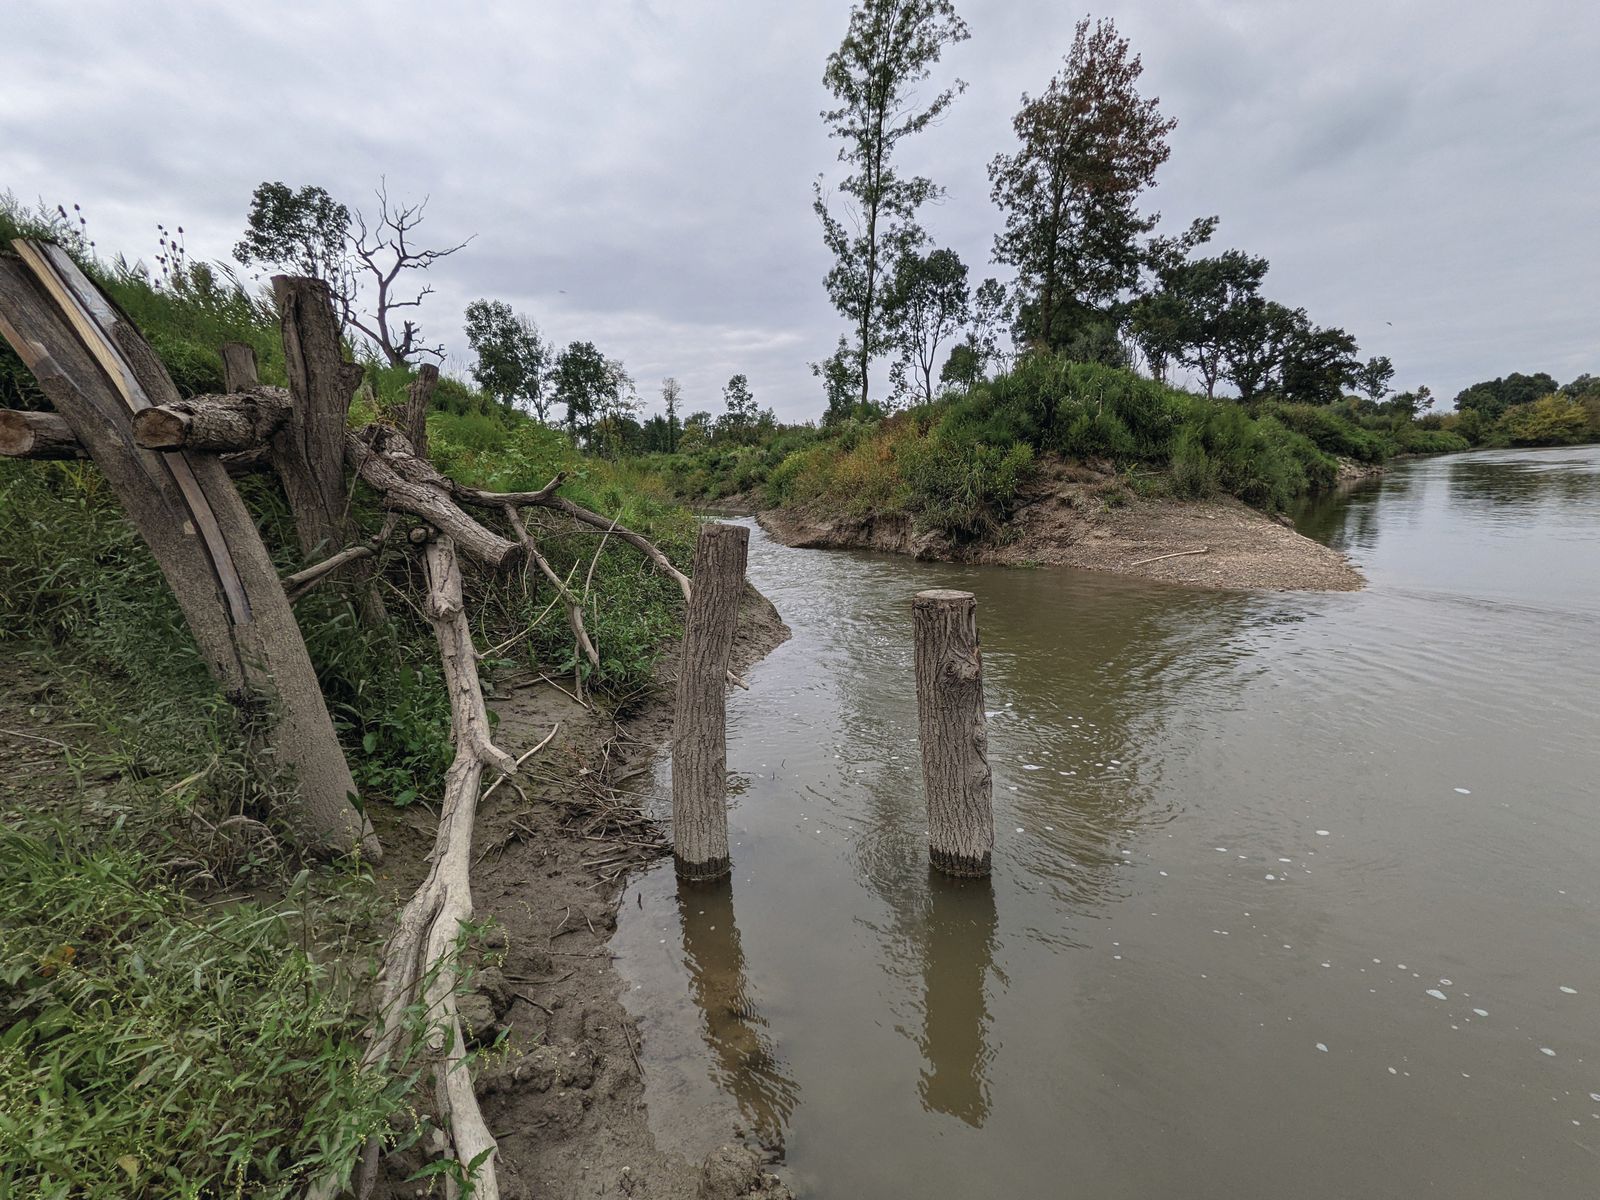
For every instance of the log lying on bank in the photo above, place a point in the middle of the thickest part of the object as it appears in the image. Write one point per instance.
(243, 421)
(420, 961)
(39, 435)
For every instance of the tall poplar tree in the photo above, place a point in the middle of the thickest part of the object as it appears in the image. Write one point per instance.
(889, 48)
(1090, 145)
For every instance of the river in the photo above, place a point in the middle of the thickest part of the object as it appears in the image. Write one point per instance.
(1293, 894)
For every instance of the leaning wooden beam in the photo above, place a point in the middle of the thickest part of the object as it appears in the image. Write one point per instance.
(37, 435)
(421, 957)
(97, 372)
(382, 458)
(217, 423)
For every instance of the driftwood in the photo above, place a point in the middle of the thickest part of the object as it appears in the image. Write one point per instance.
(38, 435)
(242, 421)
(1175, 554)
(420, 959)
(98, 372)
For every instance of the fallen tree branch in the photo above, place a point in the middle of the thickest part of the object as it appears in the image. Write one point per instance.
(301, 582)
(383, 458)
(573, 605)
(419, 959)
(522, 758)
(1175, 554)
(546, 497)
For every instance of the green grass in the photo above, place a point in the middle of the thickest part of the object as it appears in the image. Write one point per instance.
(153, 1045)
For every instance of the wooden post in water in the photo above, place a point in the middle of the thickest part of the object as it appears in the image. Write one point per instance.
(699, 727)
(954, 732)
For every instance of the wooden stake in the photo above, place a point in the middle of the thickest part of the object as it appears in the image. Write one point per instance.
(700, 723)
(239, 367)
(954, 732)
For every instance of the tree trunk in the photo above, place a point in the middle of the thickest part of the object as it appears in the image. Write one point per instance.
(699, 728)
(217, 423)
(37, 435)
(308, 452)
(239, 367)
(98, 372)
(419, 399)
(954, 732)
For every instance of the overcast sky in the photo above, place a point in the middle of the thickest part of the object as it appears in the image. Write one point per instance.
(638, 172)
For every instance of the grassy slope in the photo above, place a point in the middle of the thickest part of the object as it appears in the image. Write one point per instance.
(151, 1044)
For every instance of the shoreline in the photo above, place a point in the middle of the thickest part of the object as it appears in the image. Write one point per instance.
(565, 1097)
(1078, 517)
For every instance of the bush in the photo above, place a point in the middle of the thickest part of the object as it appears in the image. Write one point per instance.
(967, 489)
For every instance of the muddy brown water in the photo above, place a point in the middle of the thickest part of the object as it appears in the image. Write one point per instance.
(1294, 894)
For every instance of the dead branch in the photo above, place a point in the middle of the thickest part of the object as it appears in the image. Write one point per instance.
(573, 605)
(546, 497)
(420, 957)
(301, 582)
(384, 460)
(1175, 554)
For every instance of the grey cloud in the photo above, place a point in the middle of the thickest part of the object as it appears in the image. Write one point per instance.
(639, 174)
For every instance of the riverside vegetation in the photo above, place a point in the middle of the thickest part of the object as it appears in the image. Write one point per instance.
(182, 1002)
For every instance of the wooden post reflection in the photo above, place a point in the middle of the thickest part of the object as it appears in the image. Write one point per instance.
(745, 1064)
(958, 953)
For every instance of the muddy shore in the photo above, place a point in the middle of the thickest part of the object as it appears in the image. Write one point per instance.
(565, 1097)
(1078, 516)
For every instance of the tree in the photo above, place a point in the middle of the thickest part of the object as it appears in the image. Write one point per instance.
(302, 232)
(1375, 378)
(838, 375)
(1256, 334)
(1090, 145)
(1198, 308)
(381, 253)
(512, 357)
(589, 384)
(889, 48)
(928, 304)
(1318, 365)
(739, 422)
(671, 396)
(1492, 397)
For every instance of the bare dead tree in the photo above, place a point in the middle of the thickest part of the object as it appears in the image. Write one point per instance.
(381, 253)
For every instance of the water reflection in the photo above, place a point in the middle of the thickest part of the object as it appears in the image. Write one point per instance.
(743, 1061)
(958, 943)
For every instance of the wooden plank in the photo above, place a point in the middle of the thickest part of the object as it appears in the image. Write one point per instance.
(94, 320)
(96, 377)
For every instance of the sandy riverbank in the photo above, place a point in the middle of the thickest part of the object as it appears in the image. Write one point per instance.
(1078, 517)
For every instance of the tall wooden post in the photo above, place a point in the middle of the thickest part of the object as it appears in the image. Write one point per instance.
(954, 732)
(98, 372)
(700, 723)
